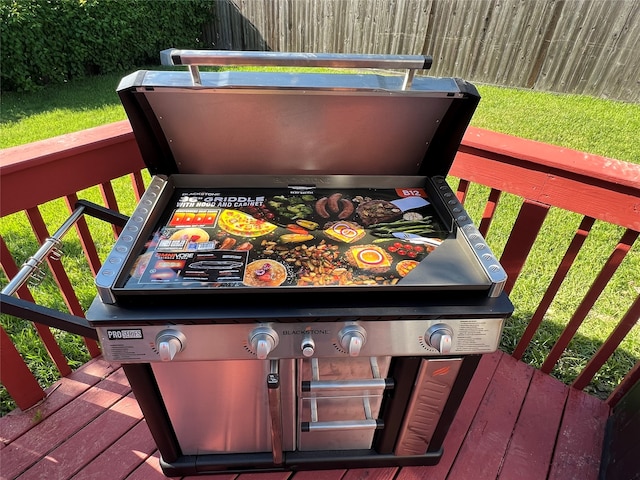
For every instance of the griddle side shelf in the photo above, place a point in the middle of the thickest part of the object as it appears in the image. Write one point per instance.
(32, 312)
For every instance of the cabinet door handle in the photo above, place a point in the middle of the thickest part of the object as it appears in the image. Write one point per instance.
(369, 424)
(365, 384)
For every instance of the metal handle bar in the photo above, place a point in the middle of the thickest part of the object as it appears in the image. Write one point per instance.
(31, 312)
(51, 246)
(45, 315)
(367, 384)
(195, 58)
(341, 425)
(174, 56)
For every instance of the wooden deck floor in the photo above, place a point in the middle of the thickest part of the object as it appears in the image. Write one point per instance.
(514, 423)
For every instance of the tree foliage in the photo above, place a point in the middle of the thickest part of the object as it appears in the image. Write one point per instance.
(52, 41)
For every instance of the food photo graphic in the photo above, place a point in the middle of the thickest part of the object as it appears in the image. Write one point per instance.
(295, 236)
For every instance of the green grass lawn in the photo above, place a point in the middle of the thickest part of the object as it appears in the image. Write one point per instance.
(583, 123)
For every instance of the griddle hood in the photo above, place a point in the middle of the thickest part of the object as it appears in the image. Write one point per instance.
(290, 123)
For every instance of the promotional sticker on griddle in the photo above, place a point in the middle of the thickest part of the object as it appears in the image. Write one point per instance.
(299, 236)
(216, 267)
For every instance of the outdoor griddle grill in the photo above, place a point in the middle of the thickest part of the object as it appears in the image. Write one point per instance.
(298, 287)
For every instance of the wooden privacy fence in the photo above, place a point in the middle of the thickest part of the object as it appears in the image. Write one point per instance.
(543, 176)
(576, 46)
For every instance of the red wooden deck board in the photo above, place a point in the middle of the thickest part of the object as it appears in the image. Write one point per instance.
(529, 453)
(62, 425)
(481, 454)
(258, 476)
(150, 470)
(219, 476)
(320, 475)
(506, 427)
(59, 394)
(579, 445)
(72, 455)
(370, 474)
(122, 457)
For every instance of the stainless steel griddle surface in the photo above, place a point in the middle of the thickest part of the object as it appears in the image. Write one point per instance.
(239, 234)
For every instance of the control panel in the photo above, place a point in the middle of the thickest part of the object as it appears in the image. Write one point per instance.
(262, 341)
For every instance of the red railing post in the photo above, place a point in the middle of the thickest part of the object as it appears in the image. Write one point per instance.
(554, 286)
(84, 235)
(523, 235)
(60, 276)
(590, 298)
(628, 381)
(16, 376)
(55, 352)
(609, 346)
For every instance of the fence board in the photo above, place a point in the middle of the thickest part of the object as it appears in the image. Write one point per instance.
(582, 46)
(591, 49)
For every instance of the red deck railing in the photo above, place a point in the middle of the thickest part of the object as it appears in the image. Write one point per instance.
(542, 176)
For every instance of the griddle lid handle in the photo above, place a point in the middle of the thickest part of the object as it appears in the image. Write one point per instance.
(219, 58)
